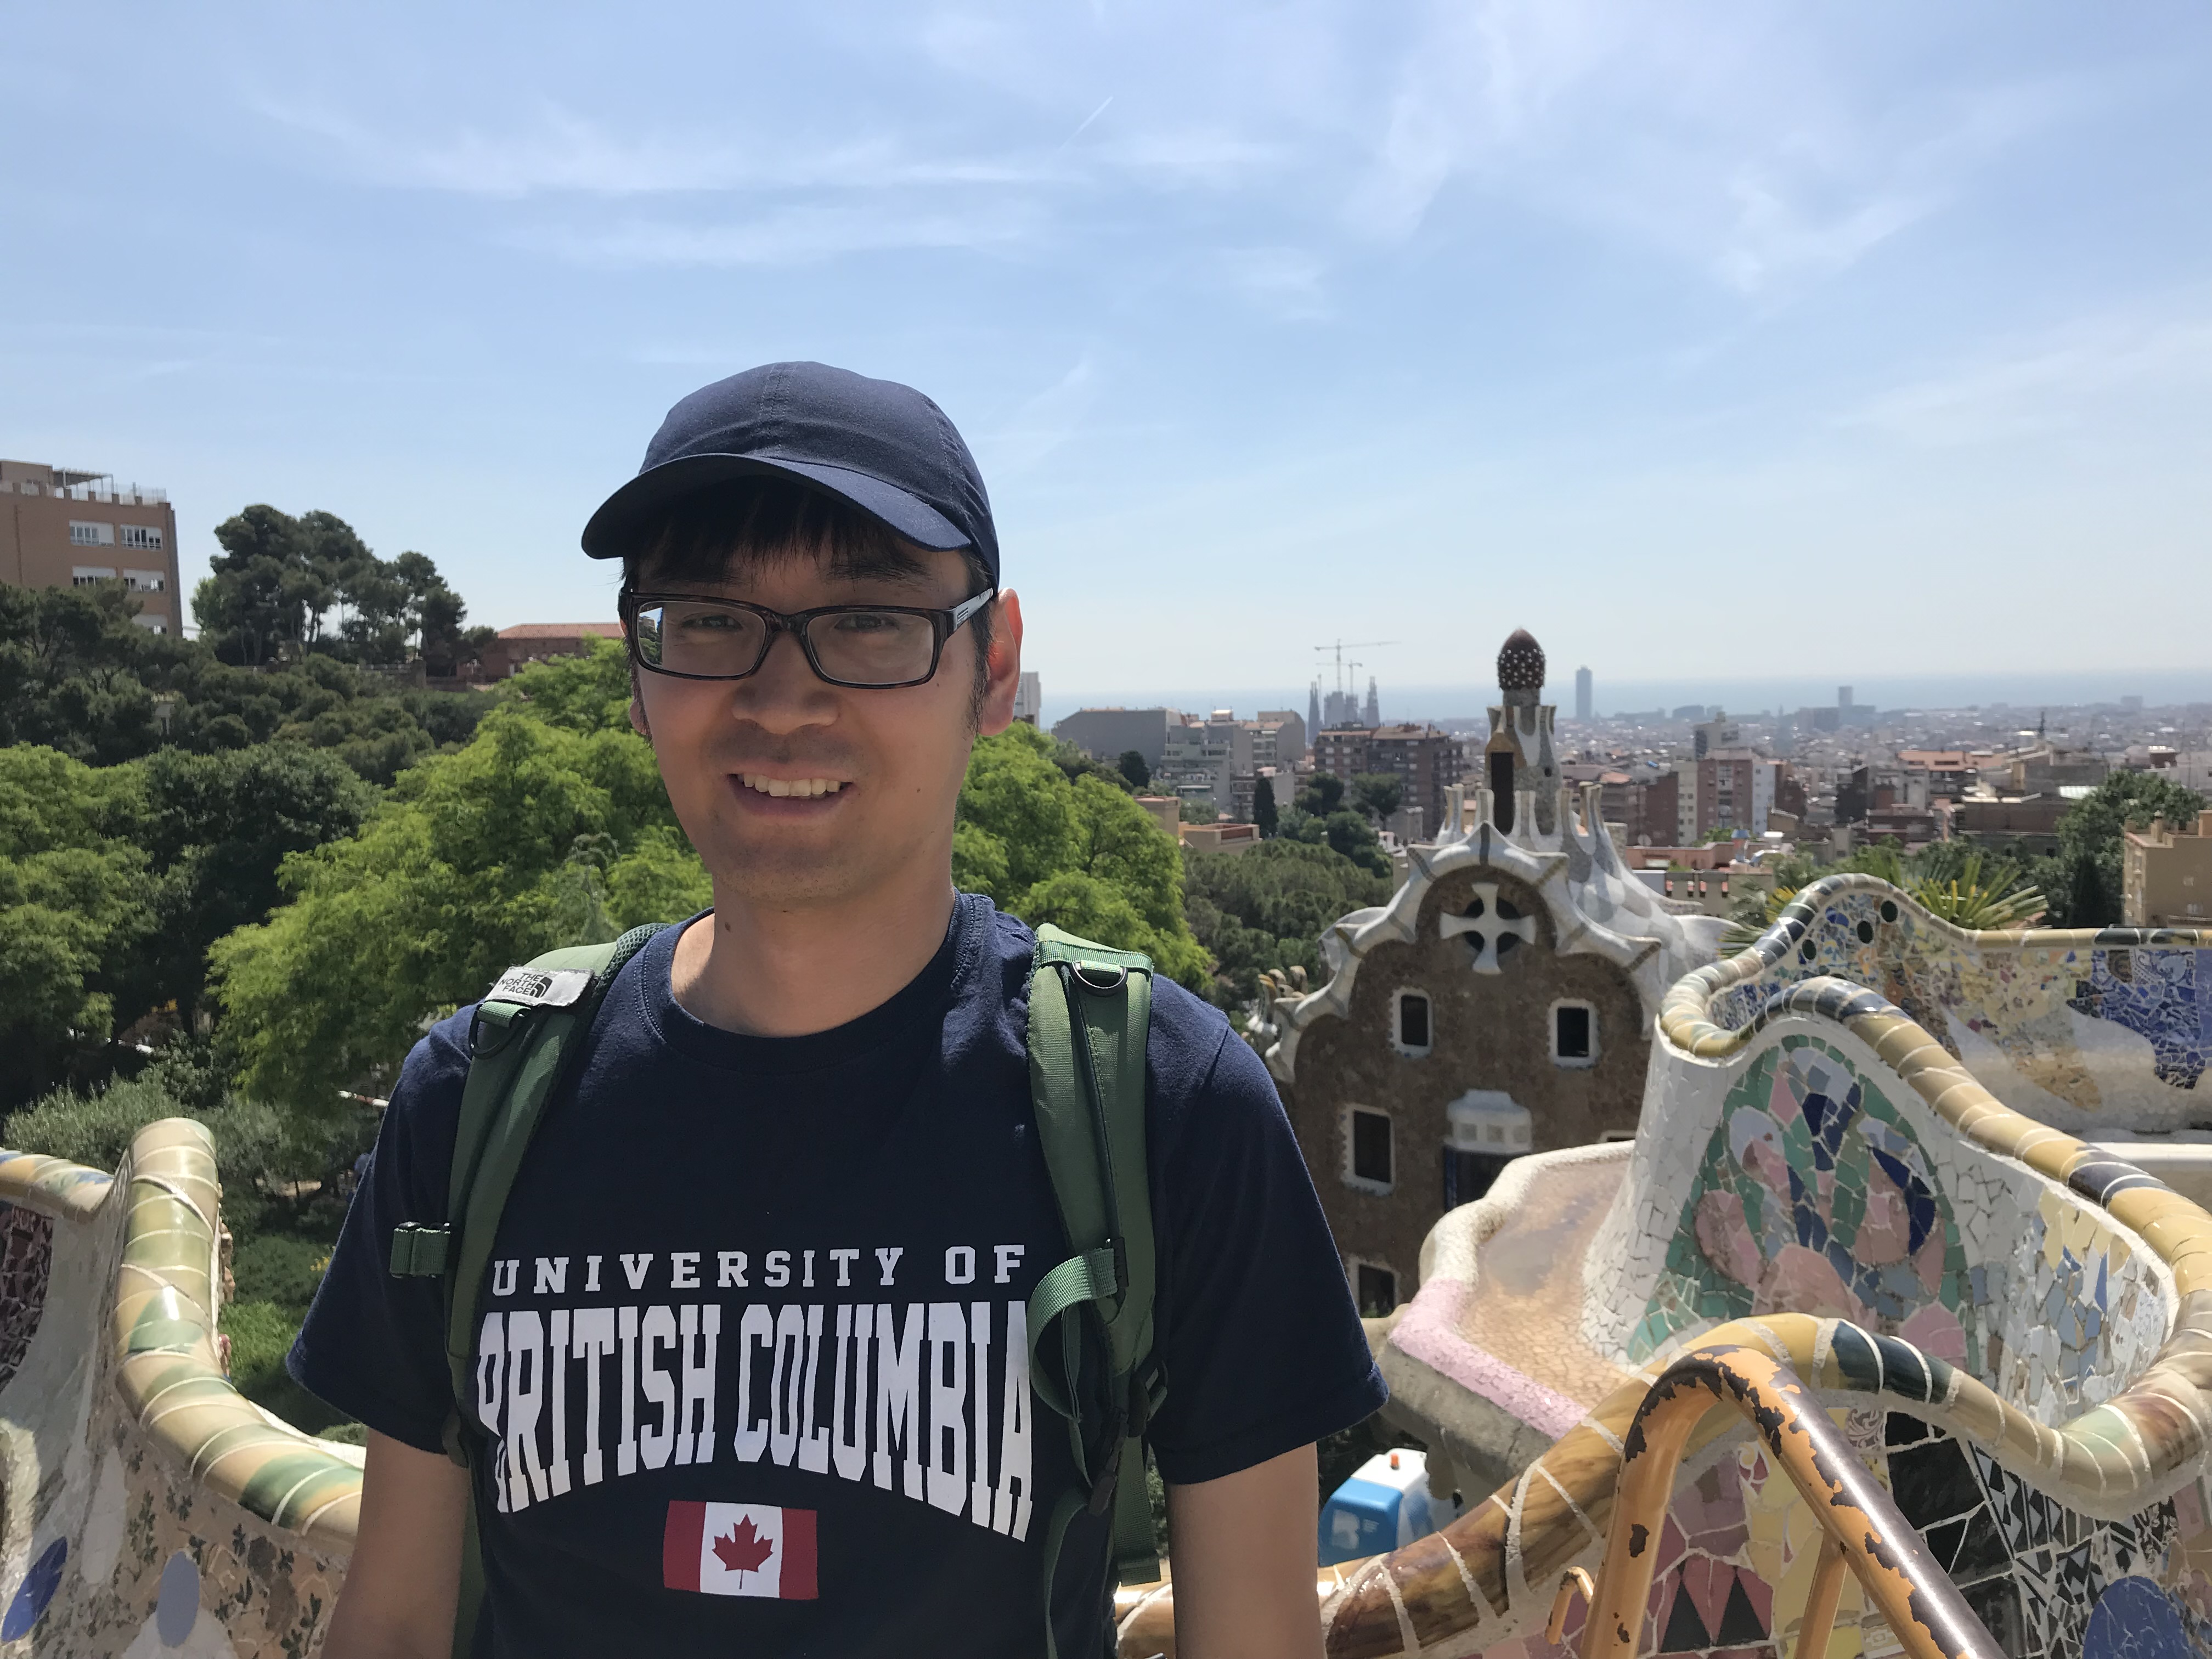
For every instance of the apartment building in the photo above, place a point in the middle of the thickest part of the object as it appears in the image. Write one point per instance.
(1425, 761)
(2166, 876)
(1279, 738)
(1646, 804)
(2030, 821)
(1203, 759)
(1725, 789)
(65, 527)
(1108, 734)
(1943, 772)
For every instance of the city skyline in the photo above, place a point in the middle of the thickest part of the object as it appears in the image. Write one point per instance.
(1745, 698)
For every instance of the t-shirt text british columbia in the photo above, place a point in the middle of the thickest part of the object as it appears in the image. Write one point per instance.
(929, 1400)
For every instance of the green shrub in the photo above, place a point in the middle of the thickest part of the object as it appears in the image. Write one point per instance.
(95, 1130)
(280, 1269)
(258, 1149)
(260, 1335)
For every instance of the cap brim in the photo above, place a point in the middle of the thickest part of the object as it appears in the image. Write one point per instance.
(608, 534)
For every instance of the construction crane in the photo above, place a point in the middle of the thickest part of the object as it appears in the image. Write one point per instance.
(1342, 646)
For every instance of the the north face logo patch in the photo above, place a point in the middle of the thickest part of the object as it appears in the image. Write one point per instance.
(535, 989)
(740, 1549)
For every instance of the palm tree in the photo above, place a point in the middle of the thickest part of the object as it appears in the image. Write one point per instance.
(1950, 880)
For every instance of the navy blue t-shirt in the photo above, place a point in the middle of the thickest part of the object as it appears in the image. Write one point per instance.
(752, 1348)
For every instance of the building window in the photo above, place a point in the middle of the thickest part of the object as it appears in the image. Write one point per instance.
(151, 624)
(1574, 1034)
(1370, 1163)
(145, 536)
(144, 581)
(1412, 1019)
(1469, 1176)
(82, 534)
(1376, 1289)
(84, 576)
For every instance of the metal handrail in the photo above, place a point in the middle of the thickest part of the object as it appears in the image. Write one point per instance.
(1860, 1527)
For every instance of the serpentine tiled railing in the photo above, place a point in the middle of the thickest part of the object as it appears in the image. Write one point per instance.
(1862, 1525)
(1492, 1571)
(53, 1186)
(163, 1359)
(169, 1367)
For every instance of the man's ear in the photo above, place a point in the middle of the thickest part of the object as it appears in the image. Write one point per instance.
(637, 721)
(995, 710)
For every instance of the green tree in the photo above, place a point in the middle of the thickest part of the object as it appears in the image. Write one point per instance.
(1379, 794)
(1133, 768)
(1346, 832)
(1267, 908)
(77, 675)
(433, 615)
(284, 586)
(217, 829)
(535, 835)
(1081, 854)
(1322, 795)
(1264, 815)
(73, 910)
(2083, 878)
(590, 693)
(256, 604)
(320, 702)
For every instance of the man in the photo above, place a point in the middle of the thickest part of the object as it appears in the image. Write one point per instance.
(759, 1271)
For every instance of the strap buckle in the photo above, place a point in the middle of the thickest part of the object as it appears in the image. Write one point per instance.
(419, 1252)
(1101, 979)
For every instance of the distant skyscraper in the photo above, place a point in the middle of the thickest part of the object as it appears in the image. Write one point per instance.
(1029, 698)
(1843, 696)
(1374, 711)
(1582, 694)
(1313, 709)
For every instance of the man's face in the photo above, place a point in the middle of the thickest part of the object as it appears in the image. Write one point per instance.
(868, 779)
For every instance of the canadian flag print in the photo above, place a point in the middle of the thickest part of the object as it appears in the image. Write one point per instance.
(740, 1549)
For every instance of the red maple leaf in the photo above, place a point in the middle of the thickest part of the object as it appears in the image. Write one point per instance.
(745, 1549)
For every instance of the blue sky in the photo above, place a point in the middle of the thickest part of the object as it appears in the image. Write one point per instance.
(1707, 341)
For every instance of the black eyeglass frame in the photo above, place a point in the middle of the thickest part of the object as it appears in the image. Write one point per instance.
(944, 625)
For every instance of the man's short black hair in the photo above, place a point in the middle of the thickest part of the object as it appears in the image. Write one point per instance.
(769, 521)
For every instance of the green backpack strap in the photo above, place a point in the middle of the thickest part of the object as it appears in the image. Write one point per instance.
(523, 1040)
(1089, 1014)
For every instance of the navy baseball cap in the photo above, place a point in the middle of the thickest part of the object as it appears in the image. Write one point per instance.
(883, 446)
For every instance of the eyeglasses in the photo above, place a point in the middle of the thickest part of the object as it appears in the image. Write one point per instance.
(873, 646)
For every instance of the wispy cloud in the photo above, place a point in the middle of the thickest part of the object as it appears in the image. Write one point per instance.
(1747, 147)
(1738, 147)
(558, 152)
(1045, 423)
(2060, 382)
(792, 235)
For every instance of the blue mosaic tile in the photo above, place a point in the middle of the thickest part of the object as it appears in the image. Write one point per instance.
(2135, 1620)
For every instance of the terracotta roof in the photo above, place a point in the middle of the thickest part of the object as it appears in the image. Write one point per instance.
(562, 631)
